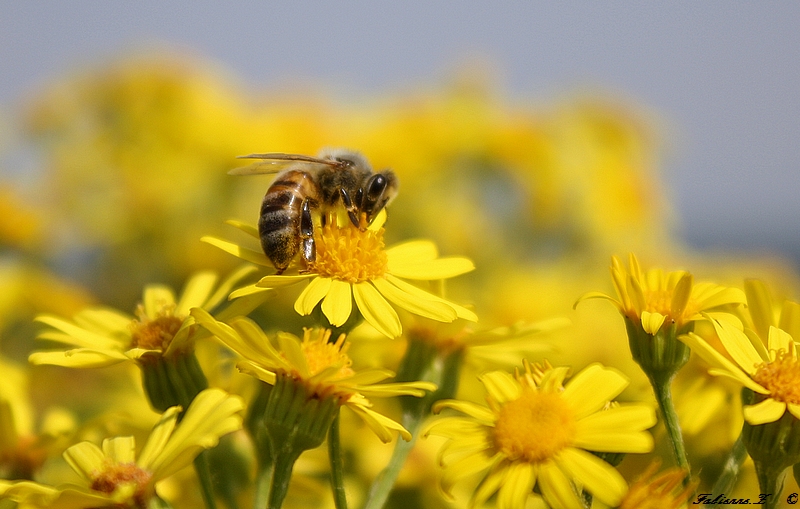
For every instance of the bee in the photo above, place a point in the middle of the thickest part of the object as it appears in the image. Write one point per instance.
(305, 184)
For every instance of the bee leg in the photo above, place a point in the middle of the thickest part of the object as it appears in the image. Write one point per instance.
(351, 209)
(309, 251)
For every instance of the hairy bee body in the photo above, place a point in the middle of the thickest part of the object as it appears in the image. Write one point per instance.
(305, 183)
(281, 214)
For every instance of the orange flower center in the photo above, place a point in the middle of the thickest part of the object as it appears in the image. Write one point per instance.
(534, 427)
(322, 355)
(115, 474)
(349, 253)
(781, 377)
(157, 333)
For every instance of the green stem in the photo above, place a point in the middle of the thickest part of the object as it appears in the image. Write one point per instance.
(263, 485)
(337, 474)
(201, 466)
(730, 471)
(661, 388)
(383, 484)
(281, 475)
(770, 482)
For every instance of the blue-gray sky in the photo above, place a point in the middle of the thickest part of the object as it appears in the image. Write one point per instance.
(723, 76)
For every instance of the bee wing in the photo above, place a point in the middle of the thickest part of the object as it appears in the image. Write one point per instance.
(275, 162)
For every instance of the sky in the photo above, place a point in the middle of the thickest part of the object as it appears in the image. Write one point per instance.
(721, 77)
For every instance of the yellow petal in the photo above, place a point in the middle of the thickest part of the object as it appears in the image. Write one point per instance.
(738, 346)
(780, 340)
(435, 310)
(159, 437)
(597, 295)
(557, 488)
(597, 477)
(213, 413)
(759, 302)
(461, 311)
(85, 458)
(245, 227)
(196, 291)
(274, 281)
(78, 358)
(120, 449)
(417, 250)
(380, 424)
(338, 302)
(517, 487)
(651, 322)
(593, 387)
(248, 255)
(680, 295)
(768, 410)
(501, 386)
(790, 319)
(311, 295)
(156, 298)
(376, 311)
(430, 270)
(226, 287)
(78, 336)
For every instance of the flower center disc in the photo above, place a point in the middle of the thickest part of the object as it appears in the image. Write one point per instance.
(116, 474)
(155, 334)
(534, 427)
(781, 377)
(350, 254)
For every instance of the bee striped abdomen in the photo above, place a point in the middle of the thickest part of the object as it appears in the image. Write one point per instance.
(279, 222)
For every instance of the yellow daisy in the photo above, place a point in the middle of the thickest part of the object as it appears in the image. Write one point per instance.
(162, 325)
(663, 491)
(322, 367)
(772, 371)
(655, 298)
(538, 431)
(353, 266)
(114, 477)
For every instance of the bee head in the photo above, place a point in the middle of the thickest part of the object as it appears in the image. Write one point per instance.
(376, 193)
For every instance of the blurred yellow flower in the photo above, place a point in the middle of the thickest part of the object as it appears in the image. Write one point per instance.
(352, 265)
(663, 491)
(323, 367)
(114, 477)
(654, 298)
(538, 431)
(162, 326)
(772, 371)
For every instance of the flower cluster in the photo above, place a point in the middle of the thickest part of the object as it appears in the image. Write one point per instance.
(377, 369)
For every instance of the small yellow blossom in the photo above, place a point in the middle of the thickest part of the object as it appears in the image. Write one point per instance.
(162, 326)
(323, 367)
(663, 491)
(538, 431)
(353, 266)
(114, 477)
(655, 299)
(772, 371)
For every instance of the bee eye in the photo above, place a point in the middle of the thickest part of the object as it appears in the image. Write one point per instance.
(375, 187)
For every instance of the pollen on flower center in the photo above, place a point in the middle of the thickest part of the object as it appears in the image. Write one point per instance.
(115, 474)
(349, 253)
(321, 354)
(781, 377)
(157, 333)
(534, 427)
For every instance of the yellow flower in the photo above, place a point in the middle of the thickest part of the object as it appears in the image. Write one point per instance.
(538, 431)
(322, 367)
(352, 265)
(162, 326)
(772, 371)
(659, 492)
(114, 477)
(655, 298)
